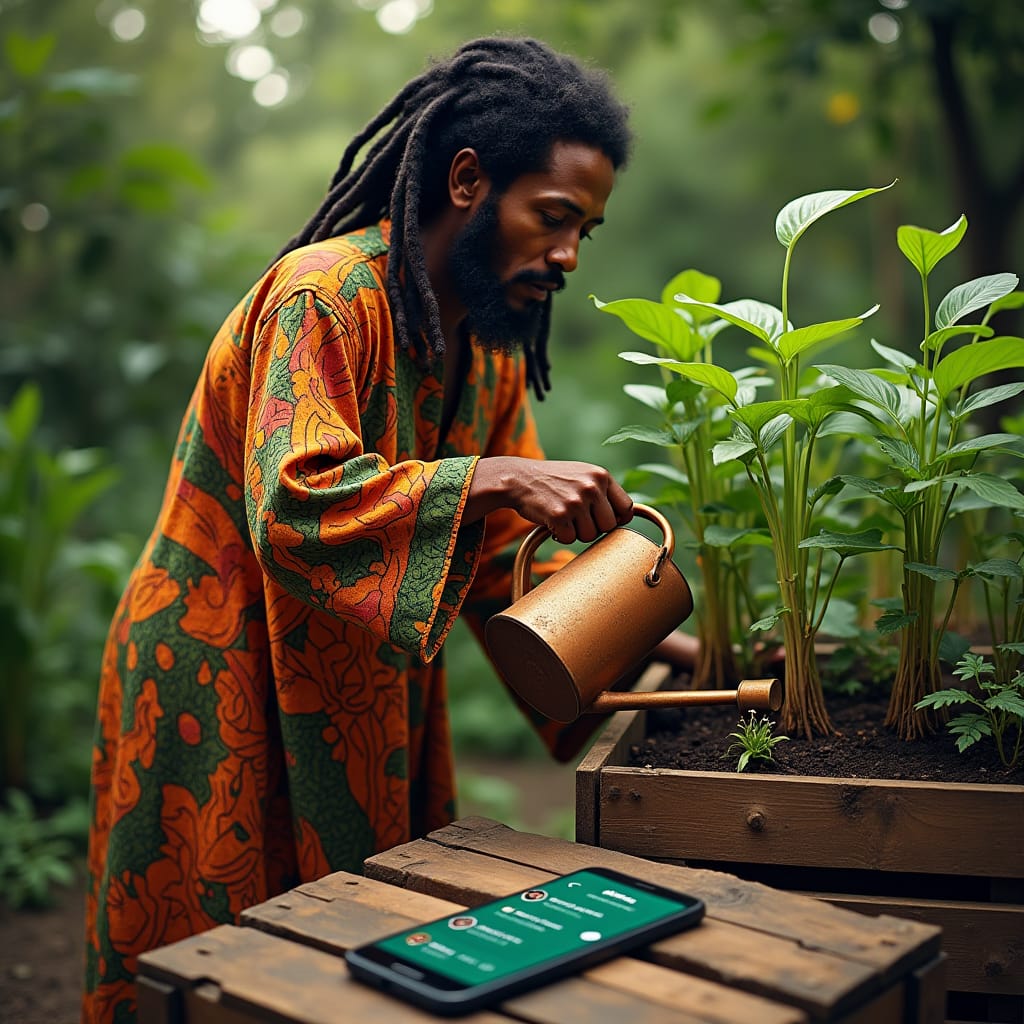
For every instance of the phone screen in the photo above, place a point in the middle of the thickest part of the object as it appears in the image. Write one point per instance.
(510, 935)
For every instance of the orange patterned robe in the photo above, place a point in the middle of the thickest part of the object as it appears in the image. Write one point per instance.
(271, 708)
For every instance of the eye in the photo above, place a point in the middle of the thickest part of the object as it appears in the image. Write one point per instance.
(550, 220)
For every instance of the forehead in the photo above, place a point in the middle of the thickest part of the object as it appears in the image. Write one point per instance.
(576, 174)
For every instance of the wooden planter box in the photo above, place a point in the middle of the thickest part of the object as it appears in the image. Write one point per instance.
(949, 854)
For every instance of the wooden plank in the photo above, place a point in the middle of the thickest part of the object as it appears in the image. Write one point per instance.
(926, 996)
(158, 1002)
(611, 747)
(887, 1008)
(251, 976)
(707, 1001)
(983, 940)
(743, 954)
(342, 910)
(579, 999)
(888, 945)
(846, 823)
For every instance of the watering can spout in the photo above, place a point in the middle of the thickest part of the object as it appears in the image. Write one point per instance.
(750, 695)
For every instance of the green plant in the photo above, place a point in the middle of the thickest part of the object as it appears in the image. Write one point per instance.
(715, 501)
(46, 604)
(921, 414)
(1000, 708)
(37, 853)
(754, 740)
(775, 443)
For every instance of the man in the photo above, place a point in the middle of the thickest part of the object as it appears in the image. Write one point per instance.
(357, 454)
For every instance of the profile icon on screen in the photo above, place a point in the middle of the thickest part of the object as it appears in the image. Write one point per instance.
(533, 895)
(417, 939)
(462, 922)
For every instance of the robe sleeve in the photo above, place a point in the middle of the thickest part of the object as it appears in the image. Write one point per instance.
(332, 522)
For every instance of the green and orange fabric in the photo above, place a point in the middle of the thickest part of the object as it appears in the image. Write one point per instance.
(272, 704)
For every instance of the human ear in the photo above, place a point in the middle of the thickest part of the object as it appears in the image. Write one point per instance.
(467, 182)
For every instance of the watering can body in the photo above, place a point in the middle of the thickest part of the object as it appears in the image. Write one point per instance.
(564, 642)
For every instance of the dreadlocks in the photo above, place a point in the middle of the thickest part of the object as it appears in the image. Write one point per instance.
(510, 100)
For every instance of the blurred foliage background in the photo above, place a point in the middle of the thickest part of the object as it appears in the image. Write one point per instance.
(155, 154)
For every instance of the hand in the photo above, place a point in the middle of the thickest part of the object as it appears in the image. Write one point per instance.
(574, 500)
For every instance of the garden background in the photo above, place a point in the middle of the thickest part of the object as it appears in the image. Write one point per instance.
(154, 154)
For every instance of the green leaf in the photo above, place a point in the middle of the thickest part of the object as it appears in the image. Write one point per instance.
(1012, 301)
(969, 363)
(793, 343)
(933, 572)
(757, 318)
(977, 444)
(703, 373)
(903, 454)
(651, 395)
(1003, 567)
(993, 489)
(925, 248)
(768, 622)
(654, 322)
(26, 56)
(893, 622)
(848, 544)
(894, 356)
(743, 761)
(867, 386)
(717, 536)
(755, 416)
(642, 432)
(943, 699)
(937, 339)
(1006, 700)
(773, 430)
(952, 647)
(966, 298)
(701, 287)
(990, 396)
(726, 451)
(799, 214)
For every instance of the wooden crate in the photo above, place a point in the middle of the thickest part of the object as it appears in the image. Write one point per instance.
(760, 955)
(948, 854)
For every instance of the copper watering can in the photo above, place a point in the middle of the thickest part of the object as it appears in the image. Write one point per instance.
(561, 645)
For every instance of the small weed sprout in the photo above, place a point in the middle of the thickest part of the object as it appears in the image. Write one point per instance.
(1000, 708)
(754, 741)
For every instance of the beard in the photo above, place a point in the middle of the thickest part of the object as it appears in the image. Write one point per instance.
(492, 322)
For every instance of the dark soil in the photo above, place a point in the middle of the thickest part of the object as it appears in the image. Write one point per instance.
(861, 748)
(42, 960)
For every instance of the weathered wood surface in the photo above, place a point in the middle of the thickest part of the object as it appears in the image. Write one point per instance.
(984, 941)
(234, 974)
(759, 956)
(845, 823)
(342, 910)
(781, 946)
(611, 747)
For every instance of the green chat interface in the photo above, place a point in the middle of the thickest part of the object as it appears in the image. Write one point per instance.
(522, 930)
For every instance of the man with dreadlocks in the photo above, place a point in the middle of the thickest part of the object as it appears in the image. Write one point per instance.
(357, 455)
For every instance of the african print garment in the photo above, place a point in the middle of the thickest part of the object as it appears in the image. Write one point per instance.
(270, 705)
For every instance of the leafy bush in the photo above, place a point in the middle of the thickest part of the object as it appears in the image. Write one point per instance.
(37, 853)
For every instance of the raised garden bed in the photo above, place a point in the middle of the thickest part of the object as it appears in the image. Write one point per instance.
(945, 853)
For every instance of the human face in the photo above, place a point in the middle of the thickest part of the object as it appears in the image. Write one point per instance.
(519, 244)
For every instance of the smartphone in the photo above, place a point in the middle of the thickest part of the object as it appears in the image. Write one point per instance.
(479, 956)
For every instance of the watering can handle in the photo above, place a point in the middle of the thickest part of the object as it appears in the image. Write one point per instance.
(521, 582)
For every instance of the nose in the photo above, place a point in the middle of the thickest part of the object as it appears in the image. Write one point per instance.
(565, 256)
